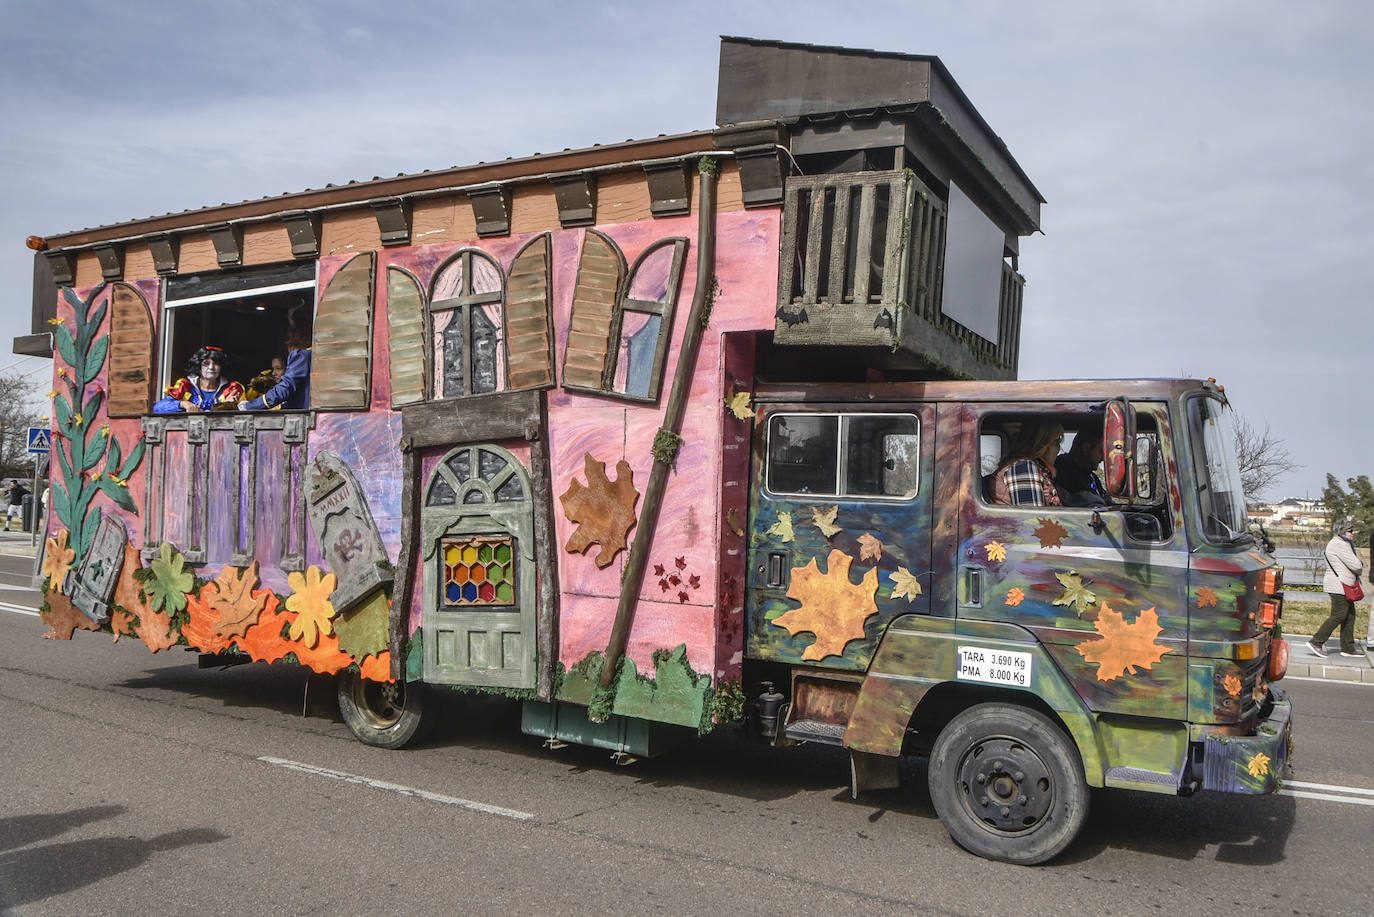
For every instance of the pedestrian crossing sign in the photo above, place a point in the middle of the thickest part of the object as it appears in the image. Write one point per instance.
(40, 441)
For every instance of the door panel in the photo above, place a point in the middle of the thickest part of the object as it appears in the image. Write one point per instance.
(477, 535)
(840, 529)
(1111, 608)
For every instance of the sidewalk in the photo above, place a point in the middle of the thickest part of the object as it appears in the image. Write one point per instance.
(16, 542)
(1304, 663)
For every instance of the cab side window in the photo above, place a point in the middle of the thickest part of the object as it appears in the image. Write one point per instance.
(844, 455)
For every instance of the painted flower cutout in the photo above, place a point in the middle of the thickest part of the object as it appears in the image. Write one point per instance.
(168, 582)
(309, 599)
(58, 560)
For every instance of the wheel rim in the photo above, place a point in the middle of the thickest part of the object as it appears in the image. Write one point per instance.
(381, 703)
(1005, 785)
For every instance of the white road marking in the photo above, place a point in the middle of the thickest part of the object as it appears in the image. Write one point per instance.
(1335, 788)
(1331, 681)
(17, 609)
(1329, 797)
(396, 788)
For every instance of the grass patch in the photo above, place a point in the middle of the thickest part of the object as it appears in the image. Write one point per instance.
(1304, 617)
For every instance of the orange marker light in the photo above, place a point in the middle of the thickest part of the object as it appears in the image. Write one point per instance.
(37, 243)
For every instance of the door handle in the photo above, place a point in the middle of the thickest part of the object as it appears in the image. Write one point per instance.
(775, 568)
(973, 585)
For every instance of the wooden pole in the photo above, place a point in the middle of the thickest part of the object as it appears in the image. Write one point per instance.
(672, 423)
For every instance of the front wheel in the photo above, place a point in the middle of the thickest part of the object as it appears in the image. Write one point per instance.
(385, 714)
(1008, 784)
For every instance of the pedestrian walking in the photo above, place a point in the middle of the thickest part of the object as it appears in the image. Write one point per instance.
(15, 492)
(1342, 583)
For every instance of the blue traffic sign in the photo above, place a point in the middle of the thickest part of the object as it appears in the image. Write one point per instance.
(40, 440)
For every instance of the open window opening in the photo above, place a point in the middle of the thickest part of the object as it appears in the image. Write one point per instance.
(1024, 457)
(246, 313)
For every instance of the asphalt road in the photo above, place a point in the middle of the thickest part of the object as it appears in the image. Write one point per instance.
(136, 784)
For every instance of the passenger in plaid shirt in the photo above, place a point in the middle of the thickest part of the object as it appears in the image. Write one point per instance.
(1026, 476)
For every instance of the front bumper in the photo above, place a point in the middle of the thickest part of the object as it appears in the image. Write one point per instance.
(1250, 764)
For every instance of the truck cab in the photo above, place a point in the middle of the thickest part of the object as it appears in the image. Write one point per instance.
(1031, 650)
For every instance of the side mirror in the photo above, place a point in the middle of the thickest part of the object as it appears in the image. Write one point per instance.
(1118, 448)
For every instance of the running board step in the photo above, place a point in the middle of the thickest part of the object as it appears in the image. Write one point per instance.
(815, 731)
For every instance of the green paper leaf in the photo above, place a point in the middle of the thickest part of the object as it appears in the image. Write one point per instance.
(66, 346)
(95, 360)
(120, 495)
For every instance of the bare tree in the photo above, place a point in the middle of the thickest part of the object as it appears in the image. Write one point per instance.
(19, 410)
(1262, 458)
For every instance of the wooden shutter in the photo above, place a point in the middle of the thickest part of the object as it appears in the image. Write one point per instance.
(599, 275)
(131, 353)
(343, 333)
(405, 313)
(529, 337)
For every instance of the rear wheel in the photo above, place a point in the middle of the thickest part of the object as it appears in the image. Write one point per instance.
(1008, 784)
(386, 714)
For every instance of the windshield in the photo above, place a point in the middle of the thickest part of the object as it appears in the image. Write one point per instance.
(1219, 494)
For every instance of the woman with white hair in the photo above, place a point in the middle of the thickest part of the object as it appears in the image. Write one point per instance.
(1342, 583)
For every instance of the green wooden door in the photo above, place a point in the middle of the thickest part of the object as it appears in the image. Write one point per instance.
(477, 534)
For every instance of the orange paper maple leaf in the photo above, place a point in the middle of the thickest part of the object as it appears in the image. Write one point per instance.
(833, 608)
(1123, 647)
(62, 617)
(154, 627)
(1015, 596)
(602, 509)
(1232, 685)
(235, 603)
(996, 550)
(1206, 597)
(199, 628)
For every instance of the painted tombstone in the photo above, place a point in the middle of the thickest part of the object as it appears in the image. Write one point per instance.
(345, 532)
(92, 584)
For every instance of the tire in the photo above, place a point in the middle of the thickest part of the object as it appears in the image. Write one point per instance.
(384, 714)
(1008, 784)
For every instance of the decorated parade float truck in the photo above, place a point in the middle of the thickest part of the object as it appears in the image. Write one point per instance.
(665, 435)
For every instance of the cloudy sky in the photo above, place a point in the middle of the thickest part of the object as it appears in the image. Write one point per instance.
(1204, 162)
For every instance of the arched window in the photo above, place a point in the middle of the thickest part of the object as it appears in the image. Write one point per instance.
(646, 319)
(622, 321)
(467, 325)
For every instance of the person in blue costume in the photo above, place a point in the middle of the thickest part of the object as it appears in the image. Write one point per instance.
(292, 391)
(203, 389)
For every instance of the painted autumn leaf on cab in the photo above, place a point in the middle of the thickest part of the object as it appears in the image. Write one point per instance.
(1015, 596)
(1051, 533)
(832, 608)
(905, 585)
(738, 403)
(824, 519)
(1259, 765)
(870, 548)
(782, 529)
(1123, 647)
(1075, 593)
(1206, 597)
(996, 551)
(1231, 684)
